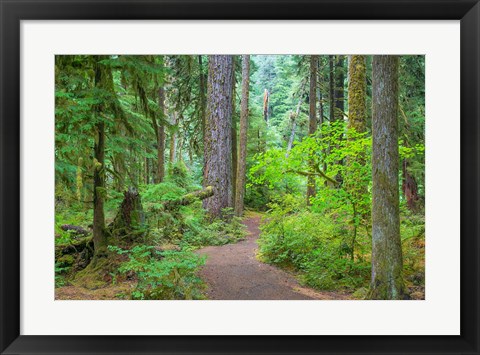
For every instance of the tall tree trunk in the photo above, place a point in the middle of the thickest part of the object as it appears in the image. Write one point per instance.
(331, 87)
(147, 171)
(119, 164)
(357, 93)
(339, 100)
(321, 107)
(312, 127)
(173, 141)
(409, 187)
(234, 139)
(357, 122)
(218, 134)
(161, 137)
(266, 99)
(357, 109)
(99, 234)
(179, 145)
(202, 94)
(339, 89)
(293, 118)
(387, 265)
(242, 161)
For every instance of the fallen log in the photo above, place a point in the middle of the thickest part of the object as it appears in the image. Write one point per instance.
(189, 198)
(74, 247)
(76, 254)
(75, 230)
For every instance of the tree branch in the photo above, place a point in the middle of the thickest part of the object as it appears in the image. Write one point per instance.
(318, 172)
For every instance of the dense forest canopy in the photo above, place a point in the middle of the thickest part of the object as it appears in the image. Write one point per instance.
(158, 156)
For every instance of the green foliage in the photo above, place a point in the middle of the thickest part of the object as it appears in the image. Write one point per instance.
(412, 231)
(326, 239)
(74, 215)
(318, 245)
(217, 232)
(60, 272)
(165, 275)
(350, 201)
(179, 175)
(313, 244)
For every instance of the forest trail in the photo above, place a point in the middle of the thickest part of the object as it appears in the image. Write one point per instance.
(232, 272)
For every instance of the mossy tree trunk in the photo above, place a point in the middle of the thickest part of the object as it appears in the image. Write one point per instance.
(218, 134)
(331, 87)
(189, 198)
(387, 265)
(357, 93)
(99, 192)
(355, 183)
(409, 187)
(203, 101)
(339, 96)
(357, 122)
(173, 140)
(161, 137)
(242, 161)
(339, 92)
(312, 126)
(234, 139)
(321, 104)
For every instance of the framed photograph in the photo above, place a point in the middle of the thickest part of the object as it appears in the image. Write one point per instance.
(239, 177)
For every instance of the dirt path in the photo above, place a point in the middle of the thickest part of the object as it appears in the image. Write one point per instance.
(232, 272)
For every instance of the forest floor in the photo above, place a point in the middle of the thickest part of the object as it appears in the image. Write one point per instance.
(232, 272)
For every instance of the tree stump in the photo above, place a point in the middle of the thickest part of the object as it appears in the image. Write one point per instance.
(130, 218)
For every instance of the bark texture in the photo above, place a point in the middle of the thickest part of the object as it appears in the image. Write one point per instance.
(173, 140)
(130, 217)
(357, 122)
(331, 87)
(357, 93)
(203, 90)
(409, 187)
(387, 265)
(293, 118)
(266, 99)
(339, 96)
(161, 137)
(218, 134)
(99, 233)
(312, 126)
(242, 160)
(234, 139)
(339, 89)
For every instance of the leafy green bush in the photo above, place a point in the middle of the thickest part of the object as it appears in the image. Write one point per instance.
(162, 275)
(313, 244)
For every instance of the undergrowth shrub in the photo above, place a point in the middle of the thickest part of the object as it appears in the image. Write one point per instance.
(318, 244)
(166, 275)
(60, 271)
(313, 244)
(412, 231)
(218, 232)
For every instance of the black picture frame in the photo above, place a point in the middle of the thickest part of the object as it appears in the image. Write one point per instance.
(14, 11)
